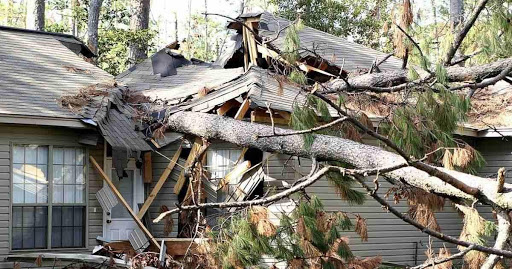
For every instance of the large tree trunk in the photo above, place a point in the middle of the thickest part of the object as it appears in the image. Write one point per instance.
(139, 21)
(35, 15)
(456, 13)
(334, 148)
(92, 24)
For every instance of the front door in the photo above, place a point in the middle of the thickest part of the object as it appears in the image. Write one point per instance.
(119, 224)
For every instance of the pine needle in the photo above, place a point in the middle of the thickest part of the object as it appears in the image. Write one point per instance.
(366, 263)
(447, 159)
(361, 228)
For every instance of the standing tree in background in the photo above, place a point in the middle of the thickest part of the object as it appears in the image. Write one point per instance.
(139, 21)
(92, 24)
(35, 15)
(361, 20)
(456, 13)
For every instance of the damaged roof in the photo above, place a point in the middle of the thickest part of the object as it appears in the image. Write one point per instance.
(37, 69)
(337, 50)
(186, 80)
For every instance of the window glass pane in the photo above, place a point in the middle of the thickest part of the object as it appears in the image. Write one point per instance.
(56, 237)
(42, 155)
(78, 216)
(69, 194)
(18, 174)
(67, 237)
(28, 216)
(58, 193)
(79, 194)
(28, 238)
(31, 154)
(17, 238)
(67, 216)
(42, 173)
(18, 154)
(78, 236)
(40, 238)
(30, 193)
(80, 175)
(69, 174)
(30, 173)
(58, 174)
(17, 217)
(18, 193)
(58, 156)
(57, 216)
(69, 156)
(42, 193)
(41, 215)
(80, 156)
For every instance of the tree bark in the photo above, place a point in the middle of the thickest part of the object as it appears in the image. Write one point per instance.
(35, 15)
(456, 13)
(504, 230)
(92, 24)
(139, 21)
(359, 155)
(389, 79)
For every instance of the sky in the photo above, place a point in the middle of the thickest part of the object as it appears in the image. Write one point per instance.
(165, 11)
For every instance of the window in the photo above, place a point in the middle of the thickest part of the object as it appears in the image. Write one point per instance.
(41, 200)
(221, 161)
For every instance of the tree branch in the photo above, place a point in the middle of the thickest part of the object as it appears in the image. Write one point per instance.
(447, 259)
(504, 230)
(464, 31)
(426, 230)
(312, 130)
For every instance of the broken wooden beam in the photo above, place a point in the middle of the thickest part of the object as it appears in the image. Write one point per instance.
(237, 171)
(148, 170)
(123, 202)
(263, 117)
(160, 183)
(244, 107)
(190, 159)
(222, 110)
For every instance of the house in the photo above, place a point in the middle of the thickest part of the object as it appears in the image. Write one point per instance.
(76, 143)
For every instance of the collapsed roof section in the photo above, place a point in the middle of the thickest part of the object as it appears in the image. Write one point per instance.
(170, 77)
(335, 50)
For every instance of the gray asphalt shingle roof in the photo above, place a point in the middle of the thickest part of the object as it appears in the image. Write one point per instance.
(36, 70)
(337, 50)
(189, 80)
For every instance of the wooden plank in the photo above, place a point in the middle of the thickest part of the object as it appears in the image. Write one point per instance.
(222, 110)
(262, 117)
(123, 201)
(160, 183)
(236, 172)
(191, 157)
(243, 109)
(253, 50)
(246, 49)
(148, 170)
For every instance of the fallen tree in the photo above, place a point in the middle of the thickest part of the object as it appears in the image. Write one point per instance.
(329, 148)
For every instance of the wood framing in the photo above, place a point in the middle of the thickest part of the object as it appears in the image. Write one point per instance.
(244, 107)
(263, 117)
(148, 169)
(160, 183)
(227, 106)
(123, 201)
(191, 156)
